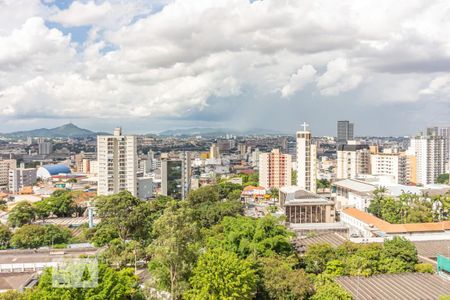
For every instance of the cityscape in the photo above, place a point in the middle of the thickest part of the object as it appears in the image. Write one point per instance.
(224, 149)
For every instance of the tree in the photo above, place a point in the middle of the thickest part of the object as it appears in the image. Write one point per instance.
(120, 254)
(23, 213)
(112, 284)
(208, 208)
(60, 204)
(5, 236)
(35, 236)
(278, 279)
(330, 291)
(317, 256)
(220, 274)
(443, 179)
(102, 234)
(294, 177)
(251, 237)
(227, 189)
(398, 255)
(376, 203)
(119, 211)
(174, 250)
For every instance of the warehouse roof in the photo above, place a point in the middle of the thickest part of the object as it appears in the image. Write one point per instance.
(406, 286)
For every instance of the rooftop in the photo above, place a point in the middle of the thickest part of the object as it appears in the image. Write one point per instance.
(406, 286)
(396, 228)
(355, 185)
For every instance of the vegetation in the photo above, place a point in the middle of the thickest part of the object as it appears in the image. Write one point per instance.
(220, 274)
(204, 248)
(35, 236)
(443, 179)
(5, 236)
(323, 184)
(393, 256)
(112, 284)
(410, 208)
(23, 213)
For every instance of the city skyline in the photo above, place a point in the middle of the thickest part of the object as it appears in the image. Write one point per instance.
(104, 63)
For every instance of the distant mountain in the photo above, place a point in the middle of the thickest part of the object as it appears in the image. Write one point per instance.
(214, 132)
(67, 130)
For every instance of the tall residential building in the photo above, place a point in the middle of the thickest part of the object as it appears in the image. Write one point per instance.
(117, 163)
(391, 164)
(176, 176)
(429, 151)
(445, 133)
(214, 152)
(306, 161)
(275, 169)
(5, 166)
(345, 131)
(20, 178)
(45, 148)
(352, 160)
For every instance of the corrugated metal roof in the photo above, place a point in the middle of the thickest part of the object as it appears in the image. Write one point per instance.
(406, 286)
(355, 185)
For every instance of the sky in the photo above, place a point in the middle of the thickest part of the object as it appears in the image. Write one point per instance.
(149, 65)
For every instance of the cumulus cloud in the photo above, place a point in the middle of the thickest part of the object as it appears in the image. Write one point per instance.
(298, 80)
(141, 61)
(338, 78)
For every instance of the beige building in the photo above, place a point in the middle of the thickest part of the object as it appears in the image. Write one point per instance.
(306, 160)
(214, 152)
(303, 207)
(352, 160)
(391, 164)
(5, 166)
(275, 169)
(117, 163)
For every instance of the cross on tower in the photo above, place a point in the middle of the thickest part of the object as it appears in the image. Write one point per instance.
(304, 125)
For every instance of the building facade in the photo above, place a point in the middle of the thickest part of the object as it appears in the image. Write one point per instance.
(5, 166)
(176, 176)
(117, 163)
(20, 178)
(306, 161)
(352, 160)
(345, 132)
(391, 164)
(275, 169)
(429, 152)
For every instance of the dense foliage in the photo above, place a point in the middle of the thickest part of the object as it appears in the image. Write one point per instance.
(393, 256)
(35, 236)
(23, 213)
(410, 208)
(220, 274)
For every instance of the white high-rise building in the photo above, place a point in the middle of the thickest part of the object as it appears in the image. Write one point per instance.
(20, 178)
(306, 161)
(429, 151)
(445, 133)
(275, 169)
(117, 163)
(391, 164)
(352, 160)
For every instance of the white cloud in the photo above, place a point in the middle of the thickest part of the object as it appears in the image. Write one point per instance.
(338, 78)
(298, 80)
(438, 86)
(138, 61)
